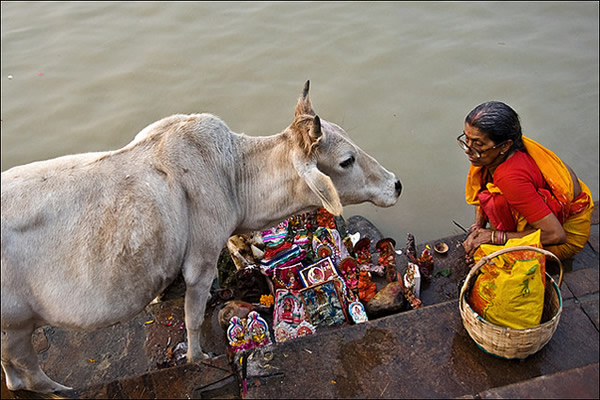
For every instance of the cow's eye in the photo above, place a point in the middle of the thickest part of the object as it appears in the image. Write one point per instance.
(347, 162)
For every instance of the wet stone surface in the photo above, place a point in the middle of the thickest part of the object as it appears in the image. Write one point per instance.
(578, 383)
(207, 379)
(420, 353)
(428, 353)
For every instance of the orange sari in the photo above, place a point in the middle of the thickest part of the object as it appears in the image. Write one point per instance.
(574, 213)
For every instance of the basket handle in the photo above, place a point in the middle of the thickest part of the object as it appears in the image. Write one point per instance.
(487, 258)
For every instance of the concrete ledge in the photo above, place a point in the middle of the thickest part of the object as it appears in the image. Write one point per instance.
(179, 382)
(420, 353)
(577, 383)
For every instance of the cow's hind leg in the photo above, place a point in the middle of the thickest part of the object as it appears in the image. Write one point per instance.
(21, 366)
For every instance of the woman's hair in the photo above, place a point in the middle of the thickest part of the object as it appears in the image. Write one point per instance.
(498, 121)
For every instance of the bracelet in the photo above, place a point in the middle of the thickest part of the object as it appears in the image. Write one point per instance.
(499, 237)
(474, 226)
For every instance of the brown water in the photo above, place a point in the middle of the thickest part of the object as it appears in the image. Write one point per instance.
(398, 76)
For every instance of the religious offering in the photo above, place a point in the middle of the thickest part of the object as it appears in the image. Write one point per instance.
(387, 258)
(248, 333)
(287, 277)
(349, 270)
(425, 263)
(289, 307)
(323, 305)
(318, 278)
(366, 288)
(321, 271)
(362, 251)
(412, 279)
(357, 312)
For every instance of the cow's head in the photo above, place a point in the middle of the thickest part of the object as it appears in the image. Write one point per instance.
(335, 168)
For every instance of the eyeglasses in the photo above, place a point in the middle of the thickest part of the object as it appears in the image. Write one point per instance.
(477, 153)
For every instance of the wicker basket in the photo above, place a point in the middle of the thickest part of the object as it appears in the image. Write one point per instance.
(508, 342)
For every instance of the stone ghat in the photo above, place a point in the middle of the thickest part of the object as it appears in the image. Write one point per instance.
(418, 353)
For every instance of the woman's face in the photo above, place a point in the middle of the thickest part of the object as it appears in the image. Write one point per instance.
(481, 143)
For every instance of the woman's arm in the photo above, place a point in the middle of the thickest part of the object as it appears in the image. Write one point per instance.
(552, 233)
(480, 217)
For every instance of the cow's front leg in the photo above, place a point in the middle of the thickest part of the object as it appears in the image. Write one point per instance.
(198, 285)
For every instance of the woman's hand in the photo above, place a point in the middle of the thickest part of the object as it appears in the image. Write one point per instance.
(478, 237)
(552, 233)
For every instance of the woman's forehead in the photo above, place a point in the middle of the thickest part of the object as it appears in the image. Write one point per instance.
(474, 133)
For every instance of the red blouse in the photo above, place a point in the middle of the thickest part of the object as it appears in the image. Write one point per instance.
(519, 179)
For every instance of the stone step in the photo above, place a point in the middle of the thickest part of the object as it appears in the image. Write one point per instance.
(213, 378)
(576, 383)
(124, 353)
(420, 353)
(124, 361)
(217, 378)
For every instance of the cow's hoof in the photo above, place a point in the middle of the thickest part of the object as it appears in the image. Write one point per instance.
(197, 358)
(50, 387)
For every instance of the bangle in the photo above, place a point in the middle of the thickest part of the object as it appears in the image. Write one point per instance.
(474, 226)
(499, 237)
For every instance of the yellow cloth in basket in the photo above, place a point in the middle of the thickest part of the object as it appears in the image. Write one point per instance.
(510, 291)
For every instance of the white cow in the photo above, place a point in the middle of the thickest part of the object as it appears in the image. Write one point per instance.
(88, 240)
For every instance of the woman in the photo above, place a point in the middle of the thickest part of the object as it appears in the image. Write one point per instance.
(518, 186)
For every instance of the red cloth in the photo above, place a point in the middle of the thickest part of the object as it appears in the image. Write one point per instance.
(524, 191)
(272, 252)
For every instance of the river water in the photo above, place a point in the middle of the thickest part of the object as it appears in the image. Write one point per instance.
(398, 76)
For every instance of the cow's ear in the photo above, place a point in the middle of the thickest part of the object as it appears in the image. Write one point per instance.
(307, 133)
(321, 185)
(303, 106)
(315, 132)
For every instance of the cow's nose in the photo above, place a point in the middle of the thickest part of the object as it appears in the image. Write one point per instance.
(398, 188)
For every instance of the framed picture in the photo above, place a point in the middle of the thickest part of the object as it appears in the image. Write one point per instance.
(319, 272)
(287, 277)
(289, 308)
(322, 304)
(357, 312)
